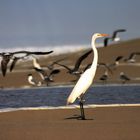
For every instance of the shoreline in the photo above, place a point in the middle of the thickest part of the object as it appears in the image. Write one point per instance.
(74, 106)
(70, 85)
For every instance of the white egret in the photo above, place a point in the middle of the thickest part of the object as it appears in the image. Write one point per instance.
(86, 78)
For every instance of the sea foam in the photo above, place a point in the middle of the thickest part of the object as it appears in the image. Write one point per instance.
(57, 49)
(67, 107)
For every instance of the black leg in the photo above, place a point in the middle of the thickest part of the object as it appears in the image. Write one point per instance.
(82, 109)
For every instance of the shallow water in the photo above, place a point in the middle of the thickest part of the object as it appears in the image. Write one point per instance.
(56, 96)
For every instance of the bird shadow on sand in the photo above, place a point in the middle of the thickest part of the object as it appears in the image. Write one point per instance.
(77, 117)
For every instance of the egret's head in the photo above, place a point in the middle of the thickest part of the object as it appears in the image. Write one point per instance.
(97, 35)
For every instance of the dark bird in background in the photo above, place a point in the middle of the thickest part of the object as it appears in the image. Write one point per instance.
(49, 77)
(113, 37)
(107, 69)
(104, 77)
(116, 62)
(51, 66)
(75, 70)
(6, 57)
(14, 61)
(4, 62)
(132, 57)
(124, 78)
(105, 66)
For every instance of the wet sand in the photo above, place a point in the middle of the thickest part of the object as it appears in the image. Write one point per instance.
(104, 123)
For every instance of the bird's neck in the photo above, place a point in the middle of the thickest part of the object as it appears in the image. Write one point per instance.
(95, 59)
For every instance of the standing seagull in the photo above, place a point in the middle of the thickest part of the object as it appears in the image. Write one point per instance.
(86, 78)
(113, 37)
(124, 78)
(32, 81)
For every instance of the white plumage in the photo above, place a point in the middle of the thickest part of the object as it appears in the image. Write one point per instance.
(81, 87)
(86, 79)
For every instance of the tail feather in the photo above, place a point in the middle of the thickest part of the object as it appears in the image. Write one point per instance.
(71, 99)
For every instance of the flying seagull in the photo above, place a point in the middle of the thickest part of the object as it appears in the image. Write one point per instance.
(51, 65)
(113, 37)
(75, 69)
(132, 57)
(7, 56)
(43, 74)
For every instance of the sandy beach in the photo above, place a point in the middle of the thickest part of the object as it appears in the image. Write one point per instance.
(69, 70)
(104, 123)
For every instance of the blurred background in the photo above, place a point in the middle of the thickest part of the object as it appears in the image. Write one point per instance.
(67, 26)
(52, 23)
